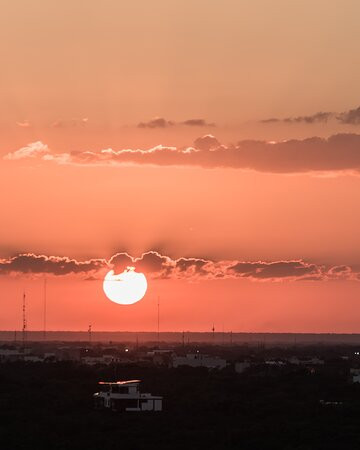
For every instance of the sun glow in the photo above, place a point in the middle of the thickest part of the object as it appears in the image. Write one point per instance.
(125, 288)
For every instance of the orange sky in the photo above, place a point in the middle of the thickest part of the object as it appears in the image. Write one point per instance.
(102, 105)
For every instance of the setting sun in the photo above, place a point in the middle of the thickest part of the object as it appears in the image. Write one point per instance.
(125, 288)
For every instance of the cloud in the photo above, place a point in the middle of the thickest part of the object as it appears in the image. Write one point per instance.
(33, 150)
(24, 124)
(319, 117)
(207, 142)
(157, 122)
(29, 263)
(160, 122)
(350, 117)
(339, 153)
(197, 123)
(70, 123)
(273, 270)
(271, 120)
(158, 266)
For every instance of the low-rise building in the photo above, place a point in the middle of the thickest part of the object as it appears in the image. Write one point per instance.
(242, 366)
(199, 360)
(355, 374)
(125, 396)
(104, 359)
(7, 355)
(313, 361)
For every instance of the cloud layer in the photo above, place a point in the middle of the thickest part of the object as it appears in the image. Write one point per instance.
(338, 153)
(158, 266)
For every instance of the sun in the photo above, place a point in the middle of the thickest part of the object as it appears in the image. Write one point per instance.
(125, 288)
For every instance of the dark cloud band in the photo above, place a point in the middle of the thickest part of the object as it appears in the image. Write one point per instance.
(156, 265)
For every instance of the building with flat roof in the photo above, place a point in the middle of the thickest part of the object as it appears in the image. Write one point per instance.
(125, 396)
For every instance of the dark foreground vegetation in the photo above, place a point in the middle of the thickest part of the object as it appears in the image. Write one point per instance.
(49, 406)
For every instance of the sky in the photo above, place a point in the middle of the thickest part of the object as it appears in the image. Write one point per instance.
(212, 145)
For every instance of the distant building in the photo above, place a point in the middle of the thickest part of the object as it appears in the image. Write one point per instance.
(92, 360)
(356, 378)
(104, 359)
(275, 362)
(68, 353)
(355, 373)
(199, 360)
(314, 361)
(160, 357)
(33, 358)
(125, 396)
(7, 355)
(241, 366)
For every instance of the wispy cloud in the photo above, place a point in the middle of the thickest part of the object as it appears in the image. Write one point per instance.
(320, 117)
(23, 124)
(160, 122)
(157, 122)
(337, 154)
(158, 266)
(350, 117)
(198, 123)
(32, 150)
(70, 123)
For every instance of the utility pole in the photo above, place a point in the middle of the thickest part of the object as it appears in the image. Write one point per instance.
(24, 322)
(158, 321)
(44, 328)
(213, 333)
(89, 331)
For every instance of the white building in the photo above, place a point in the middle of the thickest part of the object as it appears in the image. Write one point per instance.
(125, 396)
(199, 360)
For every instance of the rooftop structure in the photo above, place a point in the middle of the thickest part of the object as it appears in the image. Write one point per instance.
(125, 396)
